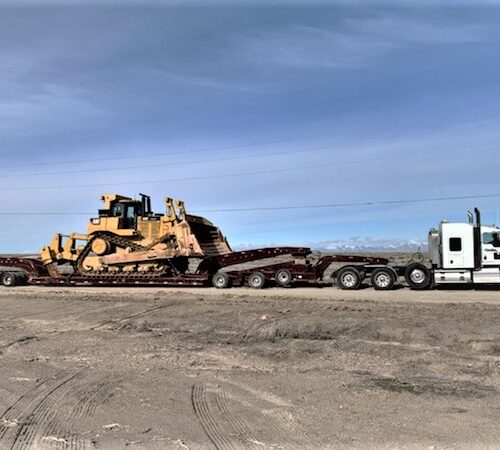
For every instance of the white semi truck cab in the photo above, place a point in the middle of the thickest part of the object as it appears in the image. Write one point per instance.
(465, 252)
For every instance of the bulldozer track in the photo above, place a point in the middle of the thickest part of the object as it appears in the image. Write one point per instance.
(119, 242)
(46, 415)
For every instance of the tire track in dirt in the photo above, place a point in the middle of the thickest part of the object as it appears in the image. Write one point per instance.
(124, 319)
(80, 316)
(11, 417)
(82, 403)
(289, 431)
(225, 429)
(32, 315)
(46, 415)
(37, 424)
(17, 420)
(279, 418)
(20, 340)
(215, 430)
(236, 421)
(283, 428)
(228, 430)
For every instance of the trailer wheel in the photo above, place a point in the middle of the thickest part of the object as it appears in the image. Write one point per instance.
(22, 278)
(418, 276)
(221, 280)
(283, 277)
(9, 279)
(257, 280)
(349, 278)
(383, 279)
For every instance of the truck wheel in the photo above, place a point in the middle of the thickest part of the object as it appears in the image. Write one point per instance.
(9, 279)
(257, 280)
(283, 277)
(383, 279)
(349, 278)
(221, 280)
(418, 276)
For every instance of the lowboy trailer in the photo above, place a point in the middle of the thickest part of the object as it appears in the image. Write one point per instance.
(218, 271)
(460, 253)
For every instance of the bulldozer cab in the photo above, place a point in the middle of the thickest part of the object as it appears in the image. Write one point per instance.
(126, 211)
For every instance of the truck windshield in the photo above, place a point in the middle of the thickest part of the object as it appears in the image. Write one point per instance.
(492, 238)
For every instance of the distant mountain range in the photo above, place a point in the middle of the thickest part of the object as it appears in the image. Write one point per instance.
(359, 244)
(369, 245)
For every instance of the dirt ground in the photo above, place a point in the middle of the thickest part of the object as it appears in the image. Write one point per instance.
(281, 368)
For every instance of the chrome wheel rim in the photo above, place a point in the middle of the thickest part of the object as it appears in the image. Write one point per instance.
(220, 281)
(382, 280)
(417, 276)
(255, 281)
(283, 277)
(349, 279)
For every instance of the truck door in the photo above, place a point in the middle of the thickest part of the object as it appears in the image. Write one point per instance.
(491, 248)
(454, 252)
(457, 241)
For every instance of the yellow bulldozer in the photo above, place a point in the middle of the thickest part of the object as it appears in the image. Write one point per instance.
(128, 239)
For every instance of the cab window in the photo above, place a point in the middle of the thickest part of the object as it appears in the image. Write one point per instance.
(117, 210)
(492, 239)
(131, 212)
(455, 244)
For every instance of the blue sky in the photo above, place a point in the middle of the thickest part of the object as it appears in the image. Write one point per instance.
(242, 105)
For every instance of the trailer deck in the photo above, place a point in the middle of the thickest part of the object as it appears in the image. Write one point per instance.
(298, 270)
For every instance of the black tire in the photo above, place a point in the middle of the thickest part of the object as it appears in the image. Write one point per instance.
(349, 278)
(283, 277)
(221, 280)
(10, 279)
(383, 279)
(257, 280)
(22, 278)
(418, 277)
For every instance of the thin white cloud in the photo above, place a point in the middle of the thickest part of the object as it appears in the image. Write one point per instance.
(355, 43)
(53, 106)
(404, 28)
(218, 84)
(302, 46)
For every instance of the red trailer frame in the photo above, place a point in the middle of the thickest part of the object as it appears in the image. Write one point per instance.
(302, 270)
